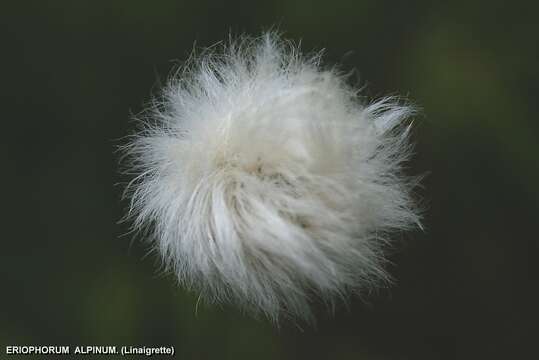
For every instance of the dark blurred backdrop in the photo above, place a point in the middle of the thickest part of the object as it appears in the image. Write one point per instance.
(74, 71)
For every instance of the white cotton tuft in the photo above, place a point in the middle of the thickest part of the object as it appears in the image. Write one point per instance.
(262, 179)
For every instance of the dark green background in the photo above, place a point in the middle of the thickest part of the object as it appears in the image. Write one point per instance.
(466, 288)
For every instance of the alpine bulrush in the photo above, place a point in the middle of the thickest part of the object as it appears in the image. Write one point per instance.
(262, 178)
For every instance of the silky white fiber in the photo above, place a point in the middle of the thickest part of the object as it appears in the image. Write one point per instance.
(262, 178)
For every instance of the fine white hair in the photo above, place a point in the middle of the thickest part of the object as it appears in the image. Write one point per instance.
(263, 179)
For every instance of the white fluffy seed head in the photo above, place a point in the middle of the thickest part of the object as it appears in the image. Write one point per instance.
(264, 180)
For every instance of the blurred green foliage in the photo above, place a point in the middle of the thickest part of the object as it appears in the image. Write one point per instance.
(466, 288)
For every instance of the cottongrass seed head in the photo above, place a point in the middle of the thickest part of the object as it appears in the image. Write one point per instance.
(261, 178)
